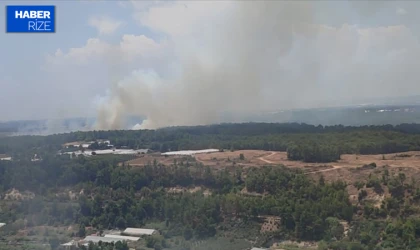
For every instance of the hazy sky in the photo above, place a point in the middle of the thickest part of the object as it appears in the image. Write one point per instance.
(315, 54)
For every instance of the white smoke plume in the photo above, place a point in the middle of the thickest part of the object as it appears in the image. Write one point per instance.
(241, 54)
(253, 56)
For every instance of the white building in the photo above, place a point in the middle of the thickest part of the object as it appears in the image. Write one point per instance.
(139, 231)
(70, 245)
(122, 237)
(4, 157)
(88, 152)
(2, 224)
(191, 152)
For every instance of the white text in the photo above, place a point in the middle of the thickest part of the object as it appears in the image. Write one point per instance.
(32, 14)
(39, 25)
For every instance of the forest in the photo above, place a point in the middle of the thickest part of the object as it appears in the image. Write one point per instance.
(302, 141)
(119, 197)
(109, 195)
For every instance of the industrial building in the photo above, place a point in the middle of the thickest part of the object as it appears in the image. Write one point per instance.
(122, 237)
(112, 236)
(130, 231)
(4, 157)
(72, 245)
(191, 152)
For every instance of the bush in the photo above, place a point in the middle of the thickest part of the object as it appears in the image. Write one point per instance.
(359, 184)
(188, 233)
(153, 241)
(362, 195)
(375, 184)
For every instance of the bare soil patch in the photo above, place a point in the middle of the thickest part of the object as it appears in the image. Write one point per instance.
(260, 158)
(270, 224)
(348, 169)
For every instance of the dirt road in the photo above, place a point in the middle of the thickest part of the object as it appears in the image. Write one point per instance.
(267, 161)
(325, 170)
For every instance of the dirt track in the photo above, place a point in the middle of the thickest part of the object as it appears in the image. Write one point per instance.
(260, 157)
(267, 161)
(347, 169)
(325, 170)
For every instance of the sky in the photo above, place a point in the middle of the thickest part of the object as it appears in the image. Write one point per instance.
(180, 62)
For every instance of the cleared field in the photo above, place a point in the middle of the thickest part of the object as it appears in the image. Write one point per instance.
(251, 158)
(261, 157)
(348, 169)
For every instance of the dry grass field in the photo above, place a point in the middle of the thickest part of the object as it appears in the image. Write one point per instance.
(263, 158)
(348, 169)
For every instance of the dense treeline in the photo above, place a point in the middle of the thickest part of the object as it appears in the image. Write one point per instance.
(119, 197)
(392, 225)
(313, 153)
(304, 142)
(122, 196)
(137, 196)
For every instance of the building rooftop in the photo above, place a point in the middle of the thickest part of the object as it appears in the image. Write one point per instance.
(75, 143)
(139, 231)
(96, 239)
(122, 237)
(191, 152)
(5, 157)
(71, 243)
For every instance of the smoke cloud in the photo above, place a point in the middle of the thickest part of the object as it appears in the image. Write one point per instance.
(226, 74)
(254, 56)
